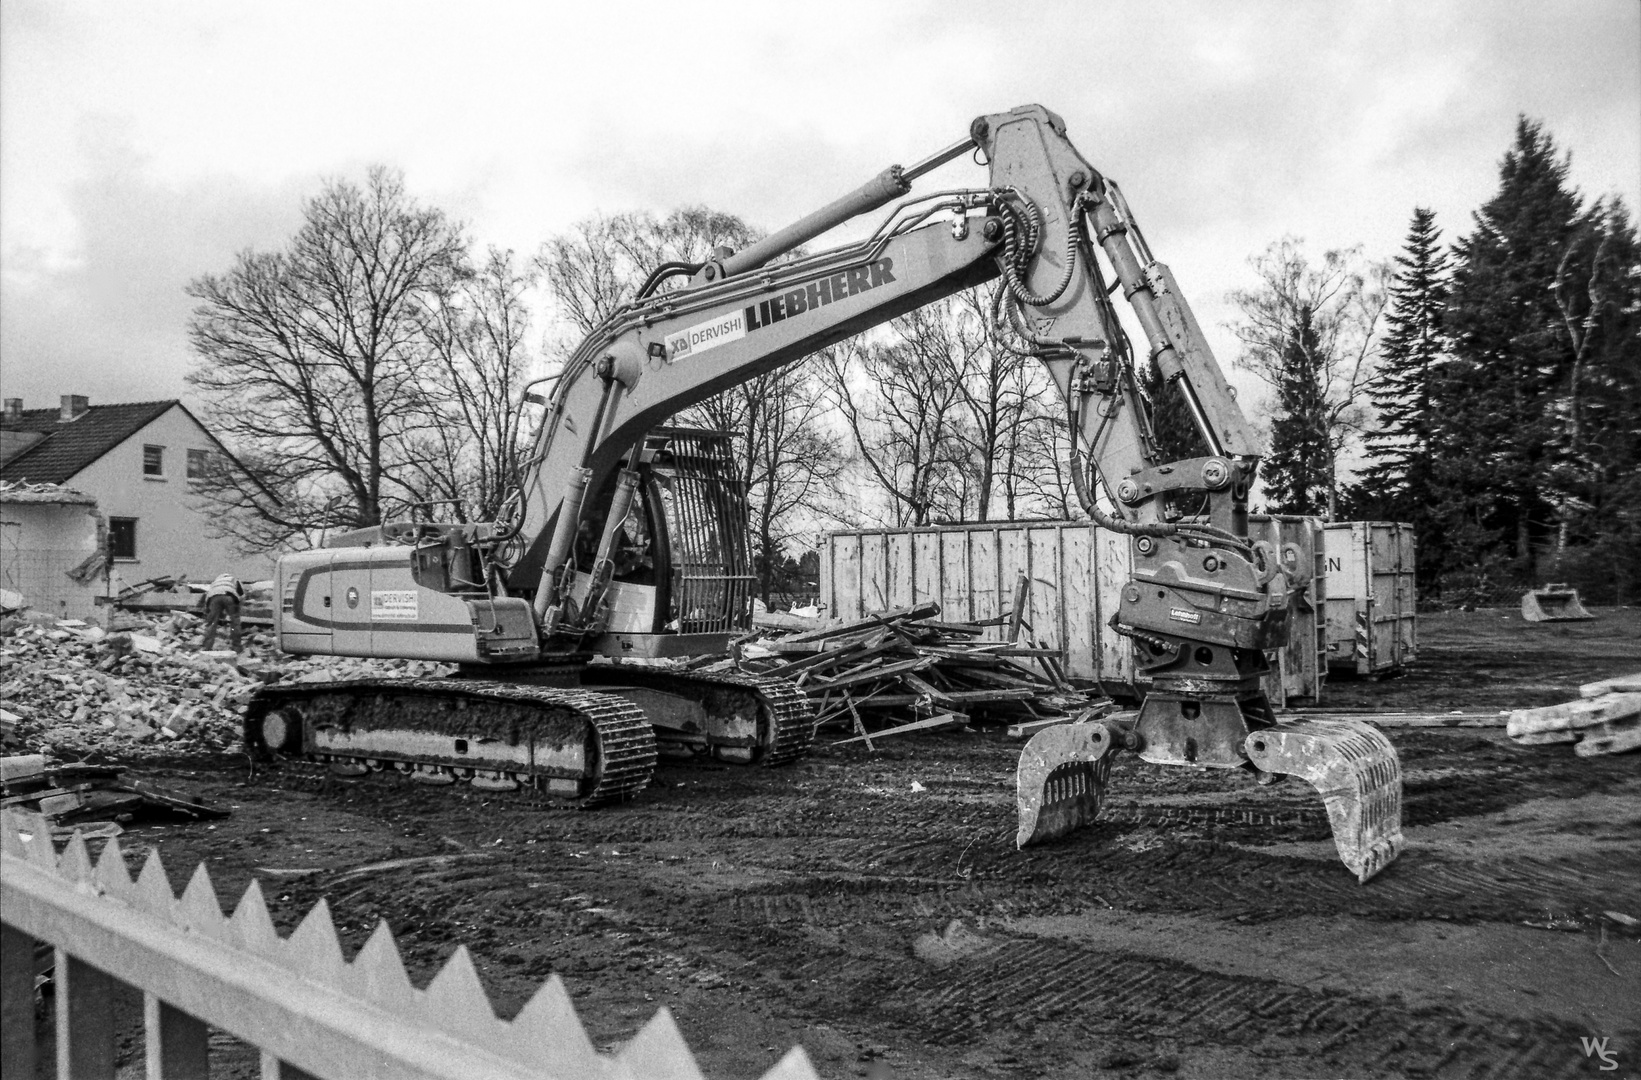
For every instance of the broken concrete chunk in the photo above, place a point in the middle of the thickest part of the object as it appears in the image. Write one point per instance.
(1574, 714)
(1609, 724)
(19, 766)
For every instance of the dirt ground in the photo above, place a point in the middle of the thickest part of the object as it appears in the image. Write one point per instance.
(1204, 929)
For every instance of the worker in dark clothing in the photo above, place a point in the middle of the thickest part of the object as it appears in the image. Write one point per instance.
(222, 601)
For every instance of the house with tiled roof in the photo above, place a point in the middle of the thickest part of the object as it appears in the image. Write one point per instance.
(139, 461)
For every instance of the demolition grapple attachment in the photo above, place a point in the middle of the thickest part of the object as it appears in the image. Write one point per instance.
(1356, 770)
(1061, 779)
(1064, 770)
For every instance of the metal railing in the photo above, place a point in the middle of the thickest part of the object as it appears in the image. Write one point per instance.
(307, 1010)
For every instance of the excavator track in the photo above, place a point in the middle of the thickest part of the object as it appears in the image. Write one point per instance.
(575, 743)
(786, 728)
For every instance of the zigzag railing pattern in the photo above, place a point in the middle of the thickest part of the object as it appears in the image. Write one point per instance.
(309, 1011)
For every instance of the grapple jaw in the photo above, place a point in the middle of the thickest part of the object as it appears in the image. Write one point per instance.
(1355, 769)
(1061, 779)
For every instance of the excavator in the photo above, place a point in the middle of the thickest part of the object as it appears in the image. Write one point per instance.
(624, 548)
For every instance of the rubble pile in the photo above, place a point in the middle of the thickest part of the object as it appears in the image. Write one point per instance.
(68, 688)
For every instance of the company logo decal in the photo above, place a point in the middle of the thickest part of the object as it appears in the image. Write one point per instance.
(387, 604)
(805, 297)
(708, 335)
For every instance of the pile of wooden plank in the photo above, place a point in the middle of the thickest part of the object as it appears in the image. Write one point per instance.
(71, 795)
(1605, 720)
(905, 670)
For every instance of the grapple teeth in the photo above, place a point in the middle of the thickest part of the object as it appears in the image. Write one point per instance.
(1355, 768)
(1061, 780)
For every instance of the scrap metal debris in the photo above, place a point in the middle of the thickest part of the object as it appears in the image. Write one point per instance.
(904, 670)
(161, 595)
(1605, 720)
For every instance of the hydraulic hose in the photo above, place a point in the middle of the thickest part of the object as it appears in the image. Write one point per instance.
(1014, 255)
(1079, 482)
(662, 273)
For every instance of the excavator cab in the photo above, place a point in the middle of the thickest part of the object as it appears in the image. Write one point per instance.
(680, 567)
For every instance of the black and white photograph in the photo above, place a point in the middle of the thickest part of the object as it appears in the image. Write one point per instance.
(1065, 540)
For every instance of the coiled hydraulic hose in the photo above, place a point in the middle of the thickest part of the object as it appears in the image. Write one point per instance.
(1015, 256)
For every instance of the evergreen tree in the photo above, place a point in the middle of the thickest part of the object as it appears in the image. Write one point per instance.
(1298, 472)
(1398, 479)
(1513, 361)
(1405, 478)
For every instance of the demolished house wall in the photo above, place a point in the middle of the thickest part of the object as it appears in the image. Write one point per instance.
(50, 548)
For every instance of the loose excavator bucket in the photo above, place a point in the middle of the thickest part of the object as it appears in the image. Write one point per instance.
(1061, 779)
(1064, 769)
(1553, 603)
(1354, 767)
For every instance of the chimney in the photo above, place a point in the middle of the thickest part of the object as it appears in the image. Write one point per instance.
(14, 408)
(74, 407)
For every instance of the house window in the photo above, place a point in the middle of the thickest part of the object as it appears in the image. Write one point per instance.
(196, 464)
(122, 538)
(153, 461)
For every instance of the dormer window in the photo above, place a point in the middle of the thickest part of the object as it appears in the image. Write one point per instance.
(153, 461)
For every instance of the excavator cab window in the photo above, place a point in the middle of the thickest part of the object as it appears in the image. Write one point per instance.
(634, 553)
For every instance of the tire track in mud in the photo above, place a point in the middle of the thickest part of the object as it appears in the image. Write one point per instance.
(954, 879)
(1150, 857)
(1017, 984)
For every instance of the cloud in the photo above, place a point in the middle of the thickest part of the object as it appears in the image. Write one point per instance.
(143, 146)
(103, 312)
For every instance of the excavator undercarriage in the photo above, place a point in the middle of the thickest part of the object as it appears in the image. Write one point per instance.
(593, 746)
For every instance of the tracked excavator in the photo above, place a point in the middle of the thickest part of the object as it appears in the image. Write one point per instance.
(625, 543)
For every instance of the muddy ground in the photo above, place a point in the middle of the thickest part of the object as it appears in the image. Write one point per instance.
(1204, 929)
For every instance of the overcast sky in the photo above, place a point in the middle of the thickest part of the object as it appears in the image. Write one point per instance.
(144, 144)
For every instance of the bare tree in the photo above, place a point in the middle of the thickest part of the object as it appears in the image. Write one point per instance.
(996, 386)
(949, 421)
(1330, 314)
(1042, 457)
(902, 406)
(603, 260)
(475, 330)
(310, 361)
(790, 462)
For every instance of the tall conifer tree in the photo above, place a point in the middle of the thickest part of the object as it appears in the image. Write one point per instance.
(1512, 355)
(1405, 478)
(1298, 471)
(1399, 477)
